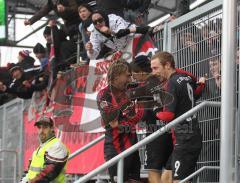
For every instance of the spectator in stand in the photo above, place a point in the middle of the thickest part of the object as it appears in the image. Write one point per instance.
(5, 76)
(65, 50)
(66, 9)
(188, 136)
(136, 11)
(214, 37)
(85, 27)
(49, 160)
(24, 55)
(120, 116)
(215, 81)
(105, 26)
(40, 51)
(25, 60)
(159, 150)
(204, 32)
(23, 86)
(193, 49)
(16, 85)
(5, 79)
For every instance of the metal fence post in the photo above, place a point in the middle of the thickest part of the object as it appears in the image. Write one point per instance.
(165, 36)
(238, 130)
(78, 49)
(21, 141)
(227, 155)
(120, 173)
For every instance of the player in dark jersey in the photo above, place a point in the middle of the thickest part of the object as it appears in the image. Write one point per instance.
(120, 116)
(159, 150)
(184, 90)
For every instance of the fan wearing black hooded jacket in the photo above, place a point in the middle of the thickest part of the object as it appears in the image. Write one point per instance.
(23, 87)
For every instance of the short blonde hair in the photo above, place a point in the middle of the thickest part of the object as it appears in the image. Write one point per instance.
(164, 57)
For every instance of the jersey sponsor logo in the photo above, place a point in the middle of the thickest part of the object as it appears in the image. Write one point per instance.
(180, 79)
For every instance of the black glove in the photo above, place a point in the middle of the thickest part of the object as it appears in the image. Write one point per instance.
(122, 33)
(143, 30)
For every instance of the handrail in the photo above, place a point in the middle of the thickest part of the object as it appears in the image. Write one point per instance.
(86, 147)
(15, 168)
(146, 140)
(199, 171)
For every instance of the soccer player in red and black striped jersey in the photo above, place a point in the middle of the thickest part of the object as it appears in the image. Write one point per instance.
(120, 116)
(185, 90)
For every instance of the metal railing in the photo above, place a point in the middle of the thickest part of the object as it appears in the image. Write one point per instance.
(194, 39)
(12, 131)
(119, 158)
(198, 172)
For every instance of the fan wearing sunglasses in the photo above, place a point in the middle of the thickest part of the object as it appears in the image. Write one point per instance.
(112, 31)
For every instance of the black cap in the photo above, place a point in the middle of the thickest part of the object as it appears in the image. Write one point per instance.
(44, 120)
(38, 48)
(141, 63)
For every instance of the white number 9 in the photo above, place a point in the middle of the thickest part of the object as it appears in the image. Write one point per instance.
(177, 166)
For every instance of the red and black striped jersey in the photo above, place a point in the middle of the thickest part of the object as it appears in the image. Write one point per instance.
(118, 107)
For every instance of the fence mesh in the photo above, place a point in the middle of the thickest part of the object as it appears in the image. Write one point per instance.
(12, 133)
(196, 46)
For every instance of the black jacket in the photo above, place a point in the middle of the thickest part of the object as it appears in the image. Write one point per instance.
(70, 15)
(39, 83)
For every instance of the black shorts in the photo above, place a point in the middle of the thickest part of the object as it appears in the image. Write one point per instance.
(184, 158)
(131, 169)
(158, 153)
